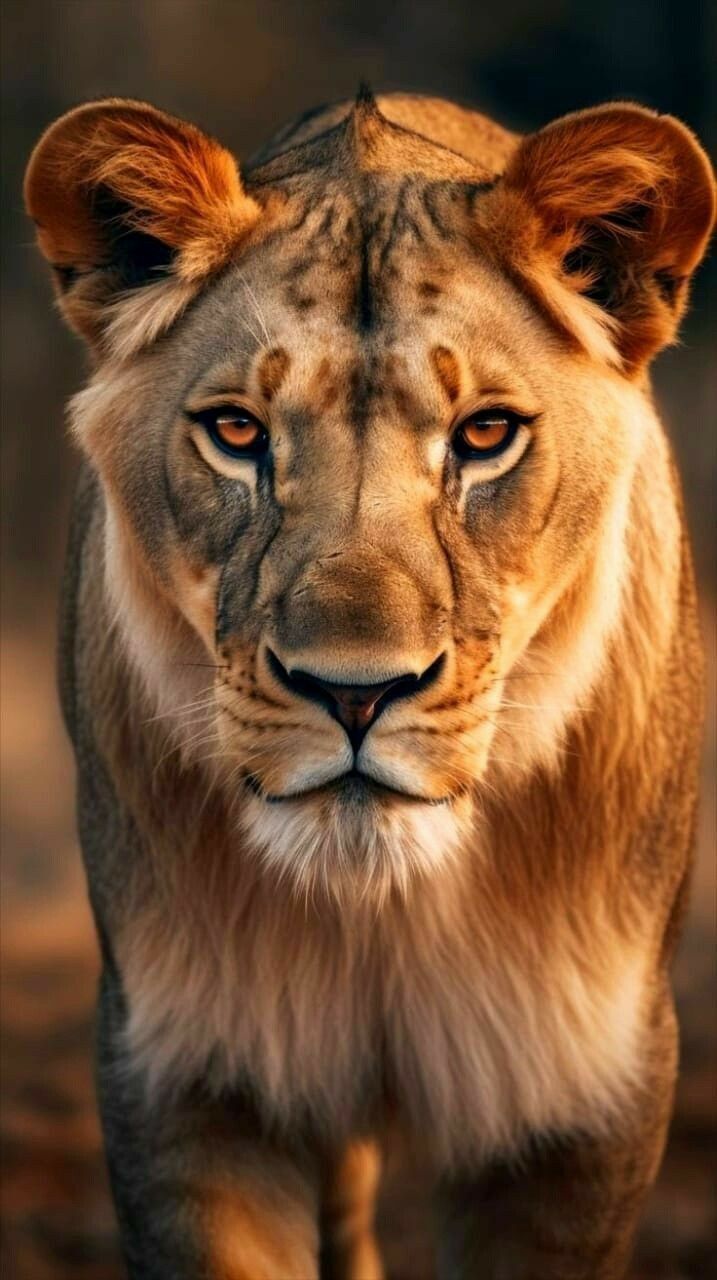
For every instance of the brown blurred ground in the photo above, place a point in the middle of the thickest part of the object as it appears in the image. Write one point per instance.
(241, 69)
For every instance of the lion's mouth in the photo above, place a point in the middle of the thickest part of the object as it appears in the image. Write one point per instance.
(353, 788)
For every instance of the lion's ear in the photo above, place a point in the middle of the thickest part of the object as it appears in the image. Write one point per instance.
(124, 196)
(615, 204)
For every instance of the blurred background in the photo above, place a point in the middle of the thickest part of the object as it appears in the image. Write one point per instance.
(241, 68)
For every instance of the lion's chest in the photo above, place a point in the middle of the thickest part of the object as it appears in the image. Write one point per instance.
(477, 1046)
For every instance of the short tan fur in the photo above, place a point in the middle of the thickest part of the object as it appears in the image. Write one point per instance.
(387, 738)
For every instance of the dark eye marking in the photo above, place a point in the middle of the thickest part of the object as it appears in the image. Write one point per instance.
(448, 371)
(272, 370)
(301, 302)
(323, 389)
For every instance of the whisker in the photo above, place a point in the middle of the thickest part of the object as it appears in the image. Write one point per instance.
(206, 699)
(197, 740)
(542, 706)
(246, 759)
(526, 675)
(213, 666)
(257, 309)
(256, 336)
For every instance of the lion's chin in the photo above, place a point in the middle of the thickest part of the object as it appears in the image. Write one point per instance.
(352, 789)
(354, 838)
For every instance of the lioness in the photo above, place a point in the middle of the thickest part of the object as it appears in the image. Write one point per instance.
(380, 660)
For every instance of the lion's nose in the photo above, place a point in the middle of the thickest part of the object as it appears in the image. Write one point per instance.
(355, 706)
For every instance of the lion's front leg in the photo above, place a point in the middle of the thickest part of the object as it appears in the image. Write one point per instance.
(349, 1247)
(200, 1193)
(568, 1208)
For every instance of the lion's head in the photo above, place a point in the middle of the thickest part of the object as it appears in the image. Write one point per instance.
(367, 426)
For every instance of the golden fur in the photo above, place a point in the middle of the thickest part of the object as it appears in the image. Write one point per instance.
(474, 952)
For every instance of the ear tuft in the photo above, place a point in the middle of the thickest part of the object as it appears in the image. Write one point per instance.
(122, 188)
(618, 204)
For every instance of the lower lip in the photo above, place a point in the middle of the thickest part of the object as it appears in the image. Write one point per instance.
(354, 787)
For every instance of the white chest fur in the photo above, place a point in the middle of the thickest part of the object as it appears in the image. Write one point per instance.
(482, 1031)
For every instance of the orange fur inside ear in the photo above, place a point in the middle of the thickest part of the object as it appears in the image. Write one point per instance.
(173, 183)
(625, 186)
(586, 168)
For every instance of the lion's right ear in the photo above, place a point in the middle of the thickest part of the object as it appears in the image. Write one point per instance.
(132, 204)
(604, 215)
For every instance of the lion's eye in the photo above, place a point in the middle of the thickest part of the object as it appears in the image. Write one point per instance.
(486, 434)
(235, 431)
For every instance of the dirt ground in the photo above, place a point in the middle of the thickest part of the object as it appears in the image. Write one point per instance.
(58, 1222)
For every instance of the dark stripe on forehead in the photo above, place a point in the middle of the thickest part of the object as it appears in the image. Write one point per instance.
(475, 190)
(273, 368)
(301, 302)
(325, 228)
(364, 288)
(399, 222)
(384, 219)
(434, 206)
(439, 201)
(362, 234)
(360, 394)
(303, 209)
(448, 370)
(323, 389)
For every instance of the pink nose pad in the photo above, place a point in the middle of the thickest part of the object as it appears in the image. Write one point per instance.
(356, 705)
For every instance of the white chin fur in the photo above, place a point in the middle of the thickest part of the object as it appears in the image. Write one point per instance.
(368, 847)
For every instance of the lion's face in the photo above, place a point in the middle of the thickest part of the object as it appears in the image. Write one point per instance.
(367, 505)
(409, 494)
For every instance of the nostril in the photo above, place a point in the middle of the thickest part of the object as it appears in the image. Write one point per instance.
(355, 706)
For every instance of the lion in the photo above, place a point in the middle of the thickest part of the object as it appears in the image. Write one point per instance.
(381, 664)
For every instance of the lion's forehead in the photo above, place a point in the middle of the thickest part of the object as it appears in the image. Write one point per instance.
(371, 263)
(345, 297)
(301, 335)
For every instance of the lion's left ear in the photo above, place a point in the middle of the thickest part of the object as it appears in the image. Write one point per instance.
(125, 197)
(616, 205)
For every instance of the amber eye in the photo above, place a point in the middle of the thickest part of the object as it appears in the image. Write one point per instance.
(236, 432)
(485, 434)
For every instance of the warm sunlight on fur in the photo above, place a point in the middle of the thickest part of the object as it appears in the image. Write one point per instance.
(381, 662)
